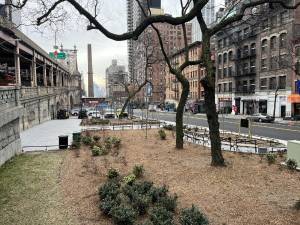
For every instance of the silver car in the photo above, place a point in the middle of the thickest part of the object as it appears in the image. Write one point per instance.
(262, 118)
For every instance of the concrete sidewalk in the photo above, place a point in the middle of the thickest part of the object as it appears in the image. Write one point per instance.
(47, 133)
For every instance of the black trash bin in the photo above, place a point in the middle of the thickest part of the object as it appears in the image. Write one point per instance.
(76, 136)
(63, 141)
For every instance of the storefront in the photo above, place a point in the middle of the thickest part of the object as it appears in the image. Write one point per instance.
(294, 99)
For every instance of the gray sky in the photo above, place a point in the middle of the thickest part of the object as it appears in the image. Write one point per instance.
(114, 18)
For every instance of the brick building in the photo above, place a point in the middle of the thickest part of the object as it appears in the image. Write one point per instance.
(256, 61)
(193, 73)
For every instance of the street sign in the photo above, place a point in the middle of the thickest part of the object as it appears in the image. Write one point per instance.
(57, 55)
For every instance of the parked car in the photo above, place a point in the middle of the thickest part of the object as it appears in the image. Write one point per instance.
(109, 115)
(96, 114)
(74, 112)
(62, 114)
(295, 118)
(152, 108)
(262, 118)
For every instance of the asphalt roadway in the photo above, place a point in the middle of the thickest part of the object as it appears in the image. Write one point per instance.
(271, 130)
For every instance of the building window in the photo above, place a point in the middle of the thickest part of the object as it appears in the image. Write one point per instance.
(263, 64)
(245, 86)
(219, 73)
(246, 50)
(230, 87)
(230, 71)
(273, 63)
(264, 46)
(219, 88)
(230, 56)
(272, 83)
(264, 24)
(252, 65)
(263, 84)
(283, 40)
(225, 58)
(220, 44)
(253, 49)
(282, 82)
(252, 86)
(273, 43)
(245, 68)
(220, 59)
(246, 32)
(225, 72)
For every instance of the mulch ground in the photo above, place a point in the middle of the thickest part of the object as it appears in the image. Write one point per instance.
(247, 191)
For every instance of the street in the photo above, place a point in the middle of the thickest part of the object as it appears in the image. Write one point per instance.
(277, 131)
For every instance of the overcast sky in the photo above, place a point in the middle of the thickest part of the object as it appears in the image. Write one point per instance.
(114, 17)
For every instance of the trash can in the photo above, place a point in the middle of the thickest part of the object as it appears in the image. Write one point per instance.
(76, 137)
(63, 141)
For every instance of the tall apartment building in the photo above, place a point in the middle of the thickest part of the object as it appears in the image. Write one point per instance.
(256, 63)
(10, 13)
(134, 18)
(208, 13)
(193, 73)
(116, 78)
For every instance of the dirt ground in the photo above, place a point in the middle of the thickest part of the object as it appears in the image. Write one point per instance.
(247, 191)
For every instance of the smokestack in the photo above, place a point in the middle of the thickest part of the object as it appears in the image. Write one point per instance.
(90, 72)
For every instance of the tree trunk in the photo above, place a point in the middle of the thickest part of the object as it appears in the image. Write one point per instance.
(211, 112)
(180, 110)
(125, 105)
(213, 124)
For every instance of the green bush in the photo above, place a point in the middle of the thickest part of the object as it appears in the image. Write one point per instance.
(168, 202)
(291, 164)
(161, 216)
(138, 171)
(157, 193)
(129, 179)
(141, 203)
(115, 141)
(143, 187)
(123, 214)
(271, 158)
(87, 140)
(112, 173)
(96, 151)
(96, 138)
(169, 127)
(162, 134)
(192, 216)
(107, 204)
(109, 189)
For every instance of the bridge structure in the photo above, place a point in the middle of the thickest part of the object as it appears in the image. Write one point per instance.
(33, 87)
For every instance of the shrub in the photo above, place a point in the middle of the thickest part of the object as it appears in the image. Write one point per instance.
(168, 202)
(112, 173)
(169, 127)
(271, 158)
(115, 141)
(138, 171)
(143, 187)
(87, 140)
(192, 216)
(129, 179)
(96, 138)
(141, 203)
(158, 192)
(96, 151)
(109, 189)
(123, 215)
(297, 205)
(107, 204)
(291, 164)
(161, 216)
(162, 134)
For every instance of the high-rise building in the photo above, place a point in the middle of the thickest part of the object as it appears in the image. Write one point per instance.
(90, 72)
(10, 13)
(134, 18)
(208, 13)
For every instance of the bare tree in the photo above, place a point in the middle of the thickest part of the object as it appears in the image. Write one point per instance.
(208, 81)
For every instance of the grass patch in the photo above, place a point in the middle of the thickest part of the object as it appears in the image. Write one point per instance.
(29, 191)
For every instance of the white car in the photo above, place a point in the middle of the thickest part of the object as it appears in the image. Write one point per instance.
(96, 114)
(109, 115)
